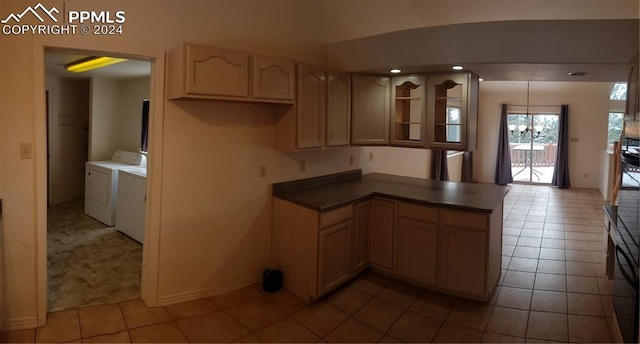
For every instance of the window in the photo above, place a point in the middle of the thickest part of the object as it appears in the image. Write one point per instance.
(453, 124)
(619, 91)
(614, 128)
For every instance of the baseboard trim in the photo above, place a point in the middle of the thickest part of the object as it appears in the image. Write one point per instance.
(19, 324)
(207, 292)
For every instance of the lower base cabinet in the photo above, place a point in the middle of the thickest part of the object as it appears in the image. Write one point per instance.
(334, 256)
(463, 259)
(416, 250)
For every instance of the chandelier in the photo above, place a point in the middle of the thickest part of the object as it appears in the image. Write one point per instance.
(522, 130)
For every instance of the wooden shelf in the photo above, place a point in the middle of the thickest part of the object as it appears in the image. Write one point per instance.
(405, 123)
(408, 98)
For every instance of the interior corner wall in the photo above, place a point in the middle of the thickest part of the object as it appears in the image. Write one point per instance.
(131, 93)
(103, 124)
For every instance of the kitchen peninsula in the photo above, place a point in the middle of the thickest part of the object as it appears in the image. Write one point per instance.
(439, 235)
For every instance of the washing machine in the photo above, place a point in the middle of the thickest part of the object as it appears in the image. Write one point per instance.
(132, 202)
(101, 184)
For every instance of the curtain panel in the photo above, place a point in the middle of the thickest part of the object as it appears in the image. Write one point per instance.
(561, 169)
(503, 162)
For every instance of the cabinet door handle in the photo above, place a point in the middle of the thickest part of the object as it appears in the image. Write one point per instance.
(633, 281)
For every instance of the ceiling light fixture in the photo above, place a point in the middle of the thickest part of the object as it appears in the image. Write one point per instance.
(480, 79)
(457, 67)
(578, 73)
(92, 63)
(395, 70)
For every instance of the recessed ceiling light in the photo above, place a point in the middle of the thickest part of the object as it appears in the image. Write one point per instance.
(395, 71)
(457, 67)
(480, 79)
(578, 73)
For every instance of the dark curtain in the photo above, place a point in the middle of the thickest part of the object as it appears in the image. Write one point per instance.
(439, 165)
(503, 161)
(467, 167)
(144, 137)
(561, 169)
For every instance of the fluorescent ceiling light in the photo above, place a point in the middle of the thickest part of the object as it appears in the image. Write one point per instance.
(457, 67)
(92, 63)
(395, 70)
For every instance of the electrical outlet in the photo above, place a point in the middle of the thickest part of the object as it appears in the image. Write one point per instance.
(370, 156)
(25, 150)
(352, 160)
(263, 171)
(303, 166)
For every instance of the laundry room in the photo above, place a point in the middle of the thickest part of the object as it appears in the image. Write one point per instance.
(97, 124)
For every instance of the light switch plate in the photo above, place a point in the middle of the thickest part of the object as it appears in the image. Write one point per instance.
(25, 150)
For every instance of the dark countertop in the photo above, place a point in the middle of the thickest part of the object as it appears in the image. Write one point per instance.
(327, 193)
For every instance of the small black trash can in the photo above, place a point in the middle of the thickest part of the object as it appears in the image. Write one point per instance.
(271, 280)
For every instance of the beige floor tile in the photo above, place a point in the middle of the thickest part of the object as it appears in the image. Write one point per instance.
(120, 337)
(514, 298)
(526, 252)
(349, 300)
(61, 326)
(580, 269)
(528, 241)
(237, 297)
(18, 336)
(578, 256)
(489, 337)
(160, 333)
(586, 329)
(519, 279)
(575, 236)
(552, 243)
(582, 284)
(598, 257)
(471, 314)
(454, 334)
(507, 321)
(548, 326)
(531, 233)
(552, 253)
(400, 293)
(552, 266)
(549, 301)
(353, 331)
(379, 314)
(287, 330)
(551, 282)
(99, 320)
(371, 282)
(191, 308)
(576, 245)
(510, 240)
(552, 234)
(600, 269)
(388, 339)
(585, 304)
(414, 328)
(257, 314)
(523, 264)
(321, 318)
(248, 339)
(434, 305)
(212, 327)
(507, 250)
(286, 300)
(137, 314)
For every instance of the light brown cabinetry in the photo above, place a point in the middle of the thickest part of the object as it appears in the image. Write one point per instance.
(381, 233)
(311, 107)
(408, 111)
(416, 243)
(452, 111)
(334, 256)
(370, 110)
(338, 108)
(200, 72)
(361, 225)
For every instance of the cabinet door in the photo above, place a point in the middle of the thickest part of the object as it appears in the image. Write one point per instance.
(416, 250)
(463, 260)
(408, 112)
(311, 107)
(370, 116)
(273, 78)
(338, 108)
(381, 235)
(216, 72)
(334, 256)
(452, 111)
(362, 216)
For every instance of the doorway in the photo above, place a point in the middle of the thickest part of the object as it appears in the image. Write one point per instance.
(146, 282)
(533, 144)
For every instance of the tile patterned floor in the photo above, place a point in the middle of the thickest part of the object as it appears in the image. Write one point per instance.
(552, 289)
(88, 263)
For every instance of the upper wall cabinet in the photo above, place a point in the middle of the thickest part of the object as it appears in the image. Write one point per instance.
(273, 78)
(632, 111)
(452, 111)
(338, 108)
(370, 110)
(408, 111)
(311, 104)
(200, 72)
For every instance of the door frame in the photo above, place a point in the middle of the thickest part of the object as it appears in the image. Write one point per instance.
(151, 248)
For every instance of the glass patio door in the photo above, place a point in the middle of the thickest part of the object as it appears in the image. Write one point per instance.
(533, 143)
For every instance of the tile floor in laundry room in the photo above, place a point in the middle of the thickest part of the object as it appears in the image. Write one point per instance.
(552, 288)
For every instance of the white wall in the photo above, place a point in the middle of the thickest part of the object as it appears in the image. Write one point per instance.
(588, 118)
(68, 137)
(104, 130)
(131, 93)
